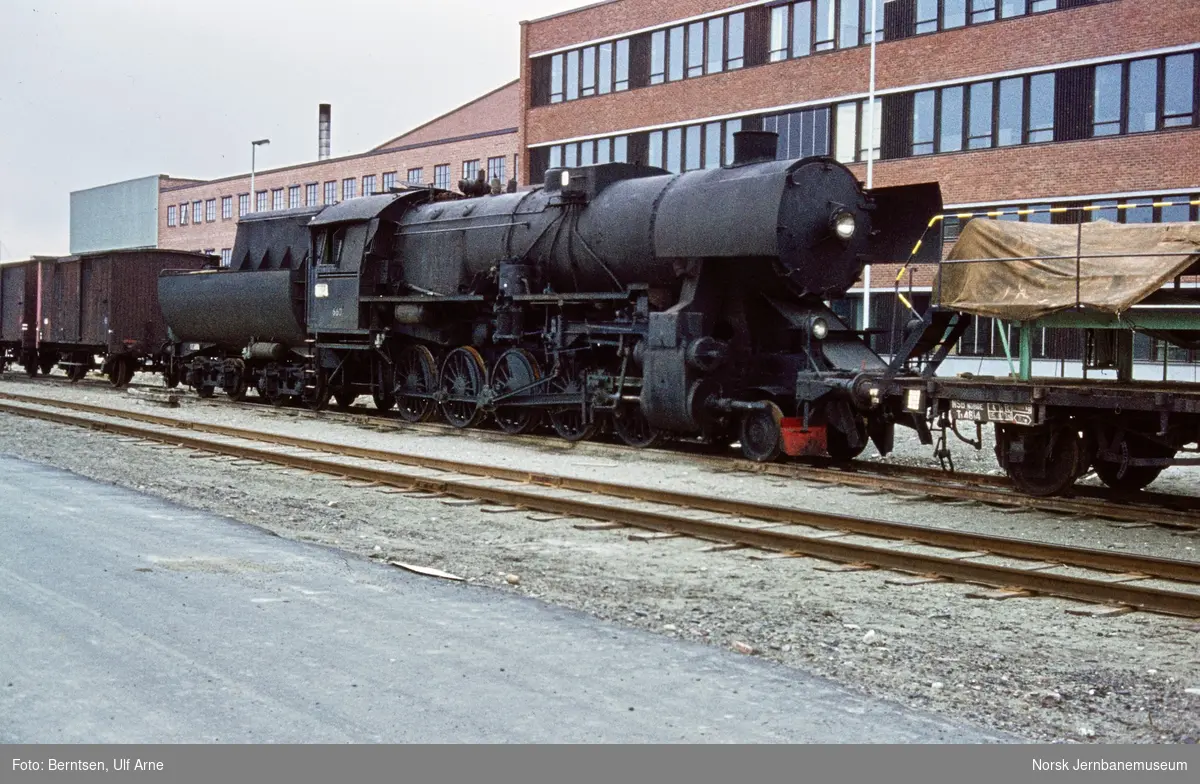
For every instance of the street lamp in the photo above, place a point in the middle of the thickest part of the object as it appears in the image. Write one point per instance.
(254, 148)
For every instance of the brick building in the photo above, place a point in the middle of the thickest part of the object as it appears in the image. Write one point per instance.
(202, 215)
(1007, 103)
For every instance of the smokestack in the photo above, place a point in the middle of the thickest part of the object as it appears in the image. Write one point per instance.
(324, 122)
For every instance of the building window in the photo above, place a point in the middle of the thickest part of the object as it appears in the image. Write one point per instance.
(293, 196)
(226, 207)
(349, 186)
(260, 201)
(611, 150)
(331, 192)
(368, 184)
(801, 134)
(171, 215)
(389, 181)
(441, 176)
(582, 73)
(416, 176)
(699, 48)
(934, 15)
(197, 211)
(1144, 95)
(210, 210)
(226, 256)
(277, 199)
(1001, 113)
(310, 194)
(243, 204)
(495, 169)
(849, 130)
(693, 147)
(799, 29)
(470, 169)
(183, 214)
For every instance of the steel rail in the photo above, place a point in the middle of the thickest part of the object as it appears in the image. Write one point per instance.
(1088, 558)
(953, 567)
(1162, 509)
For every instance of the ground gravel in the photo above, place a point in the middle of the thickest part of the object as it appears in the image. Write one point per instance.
(1025, 666)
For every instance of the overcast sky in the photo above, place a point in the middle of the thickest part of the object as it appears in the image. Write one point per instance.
(98, 91)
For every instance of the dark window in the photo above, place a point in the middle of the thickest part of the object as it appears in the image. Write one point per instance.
(496, 169)
(413, 176)
(1108, 212)
(441, 176)
(470, 169)
(801, 134)
(226, 207)
(226, 256)
(389, 181)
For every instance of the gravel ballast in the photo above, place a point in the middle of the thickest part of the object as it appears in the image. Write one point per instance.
(1024, 666)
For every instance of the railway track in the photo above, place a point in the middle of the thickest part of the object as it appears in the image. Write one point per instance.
(1143, 508)
(1097, 576)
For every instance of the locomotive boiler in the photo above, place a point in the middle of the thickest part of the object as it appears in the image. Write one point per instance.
(614, 295)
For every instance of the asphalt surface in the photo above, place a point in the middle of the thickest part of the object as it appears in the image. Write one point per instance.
(127, 619)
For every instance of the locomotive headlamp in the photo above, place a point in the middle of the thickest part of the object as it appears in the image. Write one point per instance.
(843, 224)
(566, 178)
(819, 328)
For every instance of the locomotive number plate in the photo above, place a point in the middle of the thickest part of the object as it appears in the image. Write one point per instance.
(1003, 413)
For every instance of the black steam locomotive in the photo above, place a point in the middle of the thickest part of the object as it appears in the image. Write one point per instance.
(662, 304)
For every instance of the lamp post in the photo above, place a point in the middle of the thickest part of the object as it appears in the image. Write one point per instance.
(870, 134)
(254, 148)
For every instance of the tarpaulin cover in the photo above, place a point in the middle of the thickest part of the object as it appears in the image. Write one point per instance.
(1037, 284)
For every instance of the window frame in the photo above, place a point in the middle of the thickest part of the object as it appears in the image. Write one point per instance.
(243, 204)
(210, 210)
(312, 191)
(226, 207)
(172, 215)
(441, 176)
(293, 197)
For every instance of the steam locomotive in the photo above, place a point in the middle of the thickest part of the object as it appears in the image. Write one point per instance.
(614, 295)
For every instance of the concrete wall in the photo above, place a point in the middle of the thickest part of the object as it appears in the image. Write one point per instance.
(120, 215)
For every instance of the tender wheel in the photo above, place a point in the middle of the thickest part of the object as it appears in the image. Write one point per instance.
(416, 374)
(235, 375)
(515, 369)
(570, 422)
(344, 398)
(462, 380)
(47, 363)
(632, 427)
(761, 435)
(1063, 449)
(317, 397)
(1126, 478)
(170, 376)
(206, 391)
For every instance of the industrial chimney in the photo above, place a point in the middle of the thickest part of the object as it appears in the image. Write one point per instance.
(324, 121)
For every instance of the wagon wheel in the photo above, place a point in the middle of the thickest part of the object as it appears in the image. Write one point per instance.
(761, 435)
(47, 362)
(515, 369)
(1063, 451)
(120, 371)
(462, 380)
(79, 368)
(170, 375)
(570, 422)
(344, 398)
(838, 446)
(236, 387)
(270, 390)
(316, 397)
(416, 374)
(205, 391)
(633, 428)
(1126, 478)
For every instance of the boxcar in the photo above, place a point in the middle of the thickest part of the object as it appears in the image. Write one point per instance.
(105, 305)
(18, 314)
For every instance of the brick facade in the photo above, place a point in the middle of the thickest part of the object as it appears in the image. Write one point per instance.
(484, 128)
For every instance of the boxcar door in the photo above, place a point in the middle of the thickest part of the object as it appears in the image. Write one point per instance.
(64, 319)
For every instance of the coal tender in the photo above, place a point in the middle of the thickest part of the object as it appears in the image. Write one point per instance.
(615, 296)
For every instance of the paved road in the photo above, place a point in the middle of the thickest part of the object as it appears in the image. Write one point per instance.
(127, 619)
